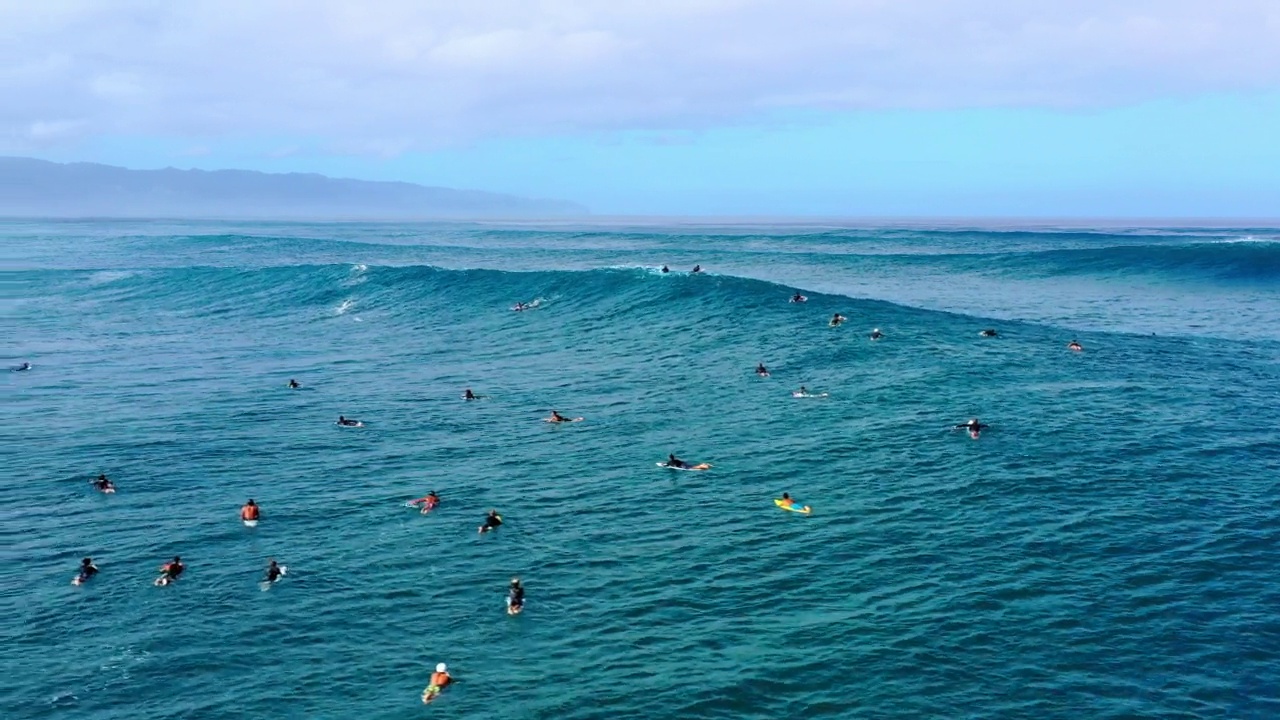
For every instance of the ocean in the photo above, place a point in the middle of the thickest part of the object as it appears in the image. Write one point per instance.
(1108, 548)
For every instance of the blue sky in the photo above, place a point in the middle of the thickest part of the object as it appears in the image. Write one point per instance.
(717, 107)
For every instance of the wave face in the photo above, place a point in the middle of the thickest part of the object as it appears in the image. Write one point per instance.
(1109, 540)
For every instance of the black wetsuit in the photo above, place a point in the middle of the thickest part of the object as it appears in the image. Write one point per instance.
(972, 427)
(515, 598)
(87, 571)
(274, 572)
(491, 522)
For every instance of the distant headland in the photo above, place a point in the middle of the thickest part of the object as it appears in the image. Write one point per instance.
(38, 188)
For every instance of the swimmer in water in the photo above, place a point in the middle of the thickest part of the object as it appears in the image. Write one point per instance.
(274, 571)
(515, 597)
(491, 522)
(294, 384)
(428, 503)
(87, 570)
(1073, 345)
(103, 484)
(250, 511)
(876, 334)
(440, 679)
(468, 395)
(170, 571)
(761, 370)
(988, 333)
(837, 320)
(348, 422)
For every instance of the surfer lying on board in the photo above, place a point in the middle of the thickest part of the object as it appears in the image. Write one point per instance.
(440, 679)
(103, 484)
(988, 333)
(170, 571)
(876, 334)
(515, 597)
(789, 503)
(798, 298)
(348, 422)
(428, 503)
(973, 426)
(294, 384)
(677, 463)
(558, 418)
(1073, 345)
(837, 320)
(491, 522)
(23, 367)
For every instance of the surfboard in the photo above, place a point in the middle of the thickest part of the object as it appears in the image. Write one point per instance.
(108, 491)
(577, 419)
(801, 299)
(700, 467)
(974, 434)
(802, 510)
(356, 424)
(809, 395)
(250, 523)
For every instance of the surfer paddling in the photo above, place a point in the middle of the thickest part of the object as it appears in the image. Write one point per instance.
(974, 427)
(678, 464)
(558, 418)
(440, 679)
(492, 522)
(427, 503)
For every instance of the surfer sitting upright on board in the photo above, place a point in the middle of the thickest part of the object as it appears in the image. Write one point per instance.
(761, 370)
(250, 511)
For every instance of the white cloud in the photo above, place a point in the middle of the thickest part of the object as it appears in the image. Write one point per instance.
(399, 74)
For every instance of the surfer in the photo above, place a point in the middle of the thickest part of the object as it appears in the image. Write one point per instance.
(988, 333)
(798, 298)
(1073, 345)
(666, 269)
(348, 422)
(274, 571)
(428, 502)
(696, 269)
(876, 334)
(250, 511)
(520, 306)
(468, 395)
(87, 570)
(761, 370)
(439, 680)
(103, 484)
(294, 384)
(558, 418)
(491, 522)
(837, 320)
(802, 392)
(789, 503)
(23, 367)
(170, 571)
(973, 426)
(515, 597)
(678, 464)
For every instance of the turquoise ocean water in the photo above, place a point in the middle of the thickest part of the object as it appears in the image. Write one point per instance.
(1110, 548)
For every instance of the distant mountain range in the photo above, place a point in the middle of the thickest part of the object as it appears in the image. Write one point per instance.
(37, 188)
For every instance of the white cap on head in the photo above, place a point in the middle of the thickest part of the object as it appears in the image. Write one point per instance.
(442, 668)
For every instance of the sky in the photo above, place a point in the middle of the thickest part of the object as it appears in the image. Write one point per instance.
(880, 108)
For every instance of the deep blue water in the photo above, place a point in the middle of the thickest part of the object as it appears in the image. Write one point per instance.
(1110, 548)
